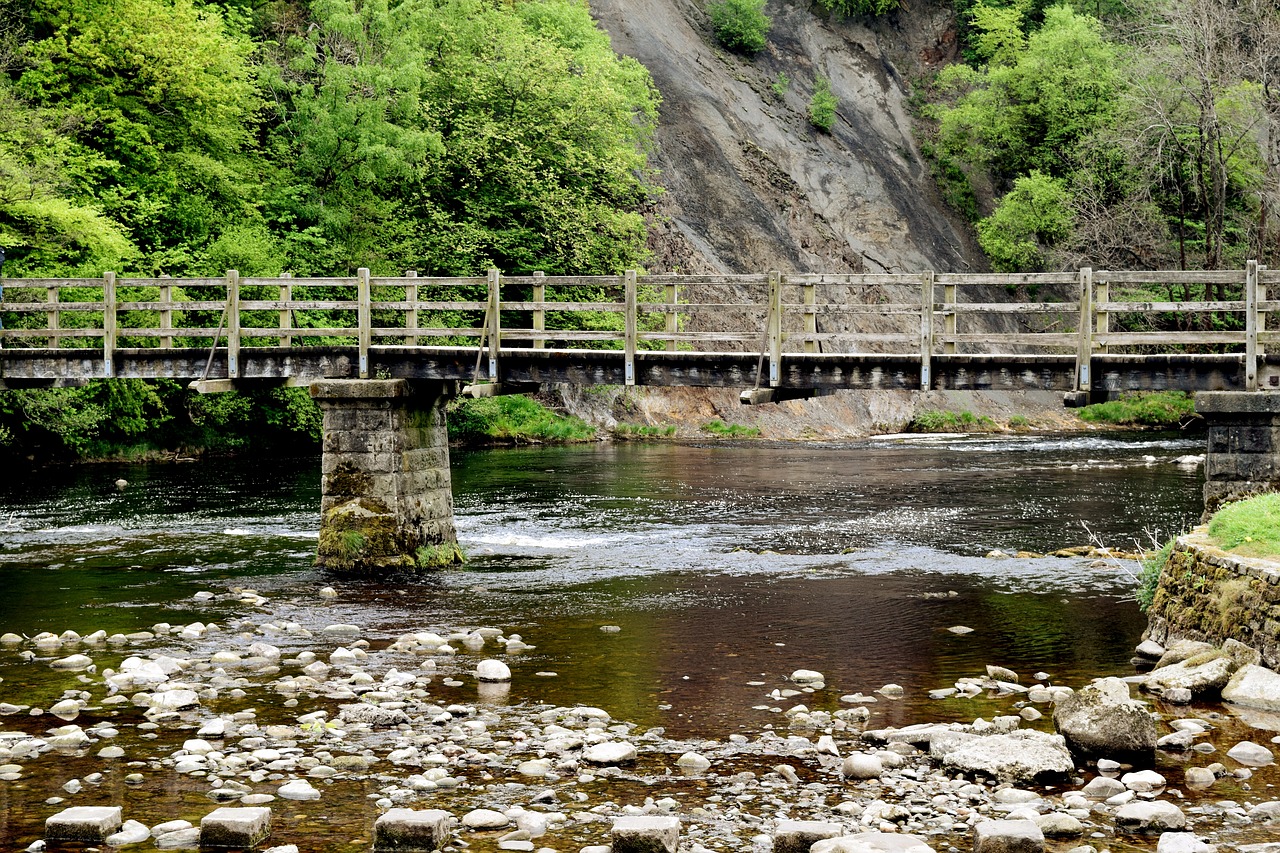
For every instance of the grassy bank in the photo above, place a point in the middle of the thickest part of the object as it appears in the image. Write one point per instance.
(513, 420)
(1250, 528)
(1156, 409)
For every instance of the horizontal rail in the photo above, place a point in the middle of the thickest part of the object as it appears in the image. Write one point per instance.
(1085, 313)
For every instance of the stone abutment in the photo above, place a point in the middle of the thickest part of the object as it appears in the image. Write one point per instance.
(1243, 454)
(386, 495)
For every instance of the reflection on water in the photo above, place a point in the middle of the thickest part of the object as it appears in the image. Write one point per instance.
(721, 564)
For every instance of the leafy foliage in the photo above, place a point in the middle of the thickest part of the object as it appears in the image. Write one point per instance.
(822, 105)
(1153, 564)
(513, 419)
(935, 420)
(857, 8)
(1034, 215)
(740, 25)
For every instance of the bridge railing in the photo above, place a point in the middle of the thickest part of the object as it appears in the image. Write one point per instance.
(923, 314)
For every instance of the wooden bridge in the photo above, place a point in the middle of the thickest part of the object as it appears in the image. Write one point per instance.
(381, 355)
(1091, 330)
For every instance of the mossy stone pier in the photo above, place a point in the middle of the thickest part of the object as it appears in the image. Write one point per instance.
(386, 496)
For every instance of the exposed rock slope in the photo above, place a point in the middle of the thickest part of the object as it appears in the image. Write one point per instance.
(751, 185)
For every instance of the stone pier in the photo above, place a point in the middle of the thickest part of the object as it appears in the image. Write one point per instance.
(1244, 445)
(386, 497)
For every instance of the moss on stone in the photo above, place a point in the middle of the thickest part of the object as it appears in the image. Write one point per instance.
(441, 555)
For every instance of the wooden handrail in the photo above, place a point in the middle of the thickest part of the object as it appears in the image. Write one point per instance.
(1069, 314)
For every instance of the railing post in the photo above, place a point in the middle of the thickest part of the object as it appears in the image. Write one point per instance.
(1251, 326)
(1261, 290)
(775, 328)
(949, 317)
(926, 330)
(1101, 316)
(1084, 348)
(495, 322)
(233, 325)
(108, 324)
(166, 315)
(671, 320)
(629, 354)
(810, 317)
(539, 314)
(411, 315)
(286, 313)
(364, 317)
(54, 321)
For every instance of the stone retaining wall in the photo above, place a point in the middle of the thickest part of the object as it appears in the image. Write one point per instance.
(1210, 595)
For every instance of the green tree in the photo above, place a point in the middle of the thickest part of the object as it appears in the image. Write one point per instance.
(1031, 219)
(740, 25)
(859, 8)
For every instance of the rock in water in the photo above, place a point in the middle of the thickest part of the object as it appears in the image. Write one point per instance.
(609, 752)
(1102, 720)
(1007, 836)
(492, 671)
(1254, 687)
(1020, 756)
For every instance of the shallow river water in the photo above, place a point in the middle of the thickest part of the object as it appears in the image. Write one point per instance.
(714, 571)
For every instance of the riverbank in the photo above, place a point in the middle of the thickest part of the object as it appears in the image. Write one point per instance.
(267, 702)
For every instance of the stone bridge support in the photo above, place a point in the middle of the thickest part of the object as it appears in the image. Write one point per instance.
(1243, 456)
(386, 497)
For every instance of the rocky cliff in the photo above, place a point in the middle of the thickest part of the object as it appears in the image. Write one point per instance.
(750, 184)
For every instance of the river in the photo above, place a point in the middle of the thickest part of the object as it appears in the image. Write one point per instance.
(714, 570)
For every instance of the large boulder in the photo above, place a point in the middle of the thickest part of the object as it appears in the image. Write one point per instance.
(1204, 675)
(1102, 720)
(1182, 650)
(1020, 756)
(1254, 687)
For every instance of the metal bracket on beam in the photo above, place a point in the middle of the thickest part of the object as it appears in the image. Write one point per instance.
(498, 389)
(212, 386)
(760, 396)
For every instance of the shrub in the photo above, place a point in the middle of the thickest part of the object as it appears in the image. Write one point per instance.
(1250, 527)
(780, 85)
(822, 106)
(643, 431)
(853, 8)
(1154, 409)
(740, 25)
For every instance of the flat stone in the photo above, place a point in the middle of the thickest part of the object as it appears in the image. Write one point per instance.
(485, 819)
(797, 836)
(1251, 754)
(181, 839)
(645, 834)
(1150, 817)
(235, 826)
(1019, 756)
(1181, 842)
(90, 824)
(1007, 836)
(873, 842)
(298, 789)
(610, 752)
(412, 830)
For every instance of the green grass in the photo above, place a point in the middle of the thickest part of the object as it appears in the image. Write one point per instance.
(1153, 563)
(643, 431)
(513, 419)
(1250, 527)
(935, 420)
(721, 428)
(1019, 421)
(1153, 409)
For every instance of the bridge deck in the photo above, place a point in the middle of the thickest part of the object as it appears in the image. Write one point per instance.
(1062, 331)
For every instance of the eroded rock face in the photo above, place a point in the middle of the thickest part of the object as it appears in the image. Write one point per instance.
(1102, 720)
(749, 185)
